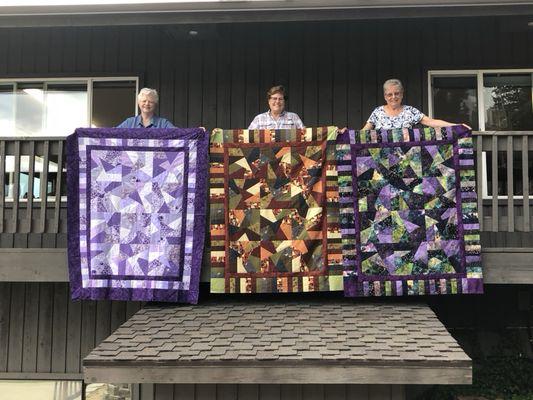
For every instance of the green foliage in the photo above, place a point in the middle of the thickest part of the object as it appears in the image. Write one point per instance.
(496, 377)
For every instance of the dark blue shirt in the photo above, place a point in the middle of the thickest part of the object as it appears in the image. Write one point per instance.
(137, 122)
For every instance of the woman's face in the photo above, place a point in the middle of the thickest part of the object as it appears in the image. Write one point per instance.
(393, 95)
(146, 104)
(276, 102)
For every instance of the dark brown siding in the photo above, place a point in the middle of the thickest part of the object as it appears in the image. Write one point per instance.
(43, 331)
(333, 70)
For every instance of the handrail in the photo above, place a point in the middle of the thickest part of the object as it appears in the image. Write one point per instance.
(502, 162)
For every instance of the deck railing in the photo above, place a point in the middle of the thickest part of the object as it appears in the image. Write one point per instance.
(33, 185)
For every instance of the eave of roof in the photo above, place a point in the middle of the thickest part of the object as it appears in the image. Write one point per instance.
(326, 341)
(251, 11)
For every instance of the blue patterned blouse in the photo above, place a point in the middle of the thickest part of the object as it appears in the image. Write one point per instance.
(408, 117)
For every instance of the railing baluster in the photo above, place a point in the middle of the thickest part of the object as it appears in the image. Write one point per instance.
(16, 187)
(57, 208)
(479, 178)
(2, 182)
(494, 167)
(510, 185)
(31, 175)
(525, 181)
(44, 187)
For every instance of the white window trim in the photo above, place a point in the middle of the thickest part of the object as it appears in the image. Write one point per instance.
(88, 81)
(478, 73)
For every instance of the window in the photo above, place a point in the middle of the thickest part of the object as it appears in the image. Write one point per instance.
(41, 390)
(55, 107)
(487, 100)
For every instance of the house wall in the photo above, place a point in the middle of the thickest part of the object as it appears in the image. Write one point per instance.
(270, 392)
(333, 71)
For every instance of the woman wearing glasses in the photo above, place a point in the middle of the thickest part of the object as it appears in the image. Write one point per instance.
(276, 117)
(395, 115)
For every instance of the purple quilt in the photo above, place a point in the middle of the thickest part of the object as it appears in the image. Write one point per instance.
(408, 212)
(136, 213)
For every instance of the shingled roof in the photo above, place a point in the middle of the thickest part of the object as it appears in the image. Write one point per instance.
(326, 341)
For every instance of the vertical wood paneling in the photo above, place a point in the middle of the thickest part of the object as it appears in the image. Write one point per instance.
(153, 57)
(335, 392)
(59, 323)
(237, 117)
(56, 50)
(73, 336)
(68, 62)
(5, 311)
(98, 39)
(379, 392)
(147, 391)
(324, 60)
(83, 48)
(44, 339)
(88, 327)
(166, 94)
(357, 392)
(209, 84)
(369, 85)
(206, 392)
(310, 74)
(255, 101)
(291, 392)
(28, 55)
(269, 392)
(339, 58)
(296, 66)
(16, 327)
(111, 52)
(224, 68)
(226, 392)
(181, 85)
(248, 392)
(313, 392)
(103, 320)
(118, 314)
(397, 392)
(184, 391)
(194, 112)
(14, 60)
(31, 327)
(164, 392)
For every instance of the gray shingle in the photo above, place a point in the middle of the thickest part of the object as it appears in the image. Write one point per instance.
(334, 331)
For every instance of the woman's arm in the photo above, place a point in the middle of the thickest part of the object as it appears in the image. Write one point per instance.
(367, 126)
(438, 123)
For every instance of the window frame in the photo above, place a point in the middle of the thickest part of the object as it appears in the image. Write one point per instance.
(88, 81)
(478, 74)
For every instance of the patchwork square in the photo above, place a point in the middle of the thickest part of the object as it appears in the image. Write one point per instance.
(409, 212)
(136, 209)
(274, 211)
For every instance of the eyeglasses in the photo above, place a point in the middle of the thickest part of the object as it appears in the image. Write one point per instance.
(277, 98)
(394, 94)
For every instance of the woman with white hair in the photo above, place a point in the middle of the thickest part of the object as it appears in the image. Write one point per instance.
(396, 115)
(147, 100)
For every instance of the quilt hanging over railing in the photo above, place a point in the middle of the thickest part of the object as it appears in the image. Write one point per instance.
(274, 211)
(409, 212)
(136, 213)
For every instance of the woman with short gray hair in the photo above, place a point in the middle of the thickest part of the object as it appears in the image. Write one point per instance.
(396, 115)
(147, 100)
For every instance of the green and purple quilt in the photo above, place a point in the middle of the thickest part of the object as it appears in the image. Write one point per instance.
(408, 210)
